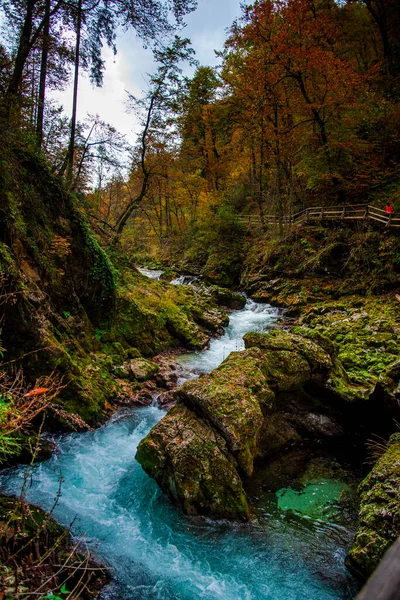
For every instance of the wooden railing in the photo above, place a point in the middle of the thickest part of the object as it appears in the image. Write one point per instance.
(384, 584)
(351, 212)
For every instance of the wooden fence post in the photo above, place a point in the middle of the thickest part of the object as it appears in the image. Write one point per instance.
(384, 583)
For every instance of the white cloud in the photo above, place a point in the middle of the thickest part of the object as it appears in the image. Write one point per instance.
(109, 101)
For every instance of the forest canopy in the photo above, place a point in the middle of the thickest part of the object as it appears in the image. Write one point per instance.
(302, 111)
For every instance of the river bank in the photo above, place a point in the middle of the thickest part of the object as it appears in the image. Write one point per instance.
(160, 316)
(43, 555)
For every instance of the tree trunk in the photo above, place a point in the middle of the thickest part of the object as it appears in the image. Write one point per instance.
(380, 17)
(260, 192)
(135, 202)
(43, 74)
(33, 93)
(278, 164)
(71, 147)
(24, 47)
(27, 40)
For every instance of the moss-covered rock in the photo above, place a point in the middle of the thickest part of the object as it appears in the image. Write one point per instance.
(314, 263)
(68, 310)
(254, 402)
(142, 369)
(380, 512)
(227, 297)
(59, 282)
(152, 316)
(364, 338)
(276, 434)
(224, 262)
(289, 361)
(191, 464)
(211, 319)
(230, 399)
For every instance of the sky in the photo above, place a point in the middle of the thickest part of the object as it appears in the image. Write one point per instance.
(206, 28)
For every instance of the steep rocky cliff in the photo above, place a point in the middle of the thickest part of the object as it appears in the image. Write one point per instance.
(64, 307)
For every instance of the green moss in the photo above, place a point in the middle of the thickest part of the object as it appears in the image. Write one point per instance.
(231, 399)
(380, 510)
(102, 274)
(363, 333)
(226, 297)
(70, 310)
(152, 316)
(289, 360)
(142, 369)
(309, 264)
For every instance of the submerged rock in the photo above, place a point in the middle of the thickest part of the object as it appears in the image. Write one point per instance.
(380, 512)
(318, 499)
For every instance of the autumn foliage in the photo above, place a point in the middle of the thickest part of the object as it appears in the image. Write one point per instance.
(302, 111)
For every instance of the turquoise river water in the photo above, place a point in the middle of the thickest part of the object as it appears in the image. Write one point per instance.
(293, 549)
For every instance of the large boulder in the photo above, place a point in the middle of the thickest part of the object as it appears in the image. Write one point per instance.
(290, 360)
(231, 399)
(251, 407)
(228, 298)
(191, 463)
(142, 369)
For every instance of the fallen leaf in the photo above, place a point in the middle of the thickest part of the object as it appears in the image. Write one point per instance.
(36, 392)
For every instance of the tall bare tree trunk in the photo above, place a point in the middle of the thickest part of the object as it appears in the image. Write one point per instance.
(135, 202)
(71, 147)
(24, 48)
(43, 73)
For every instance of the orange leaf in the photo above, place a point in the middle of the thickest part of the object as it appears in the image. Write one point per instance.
(36, 392)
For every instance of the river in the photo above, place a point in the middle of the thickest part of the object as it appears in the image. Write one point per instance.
(157, 553)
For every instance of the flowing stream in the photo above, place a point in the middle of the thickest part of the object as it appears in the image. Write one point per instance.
(254, 317)
(151, 273)
(293, 549)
